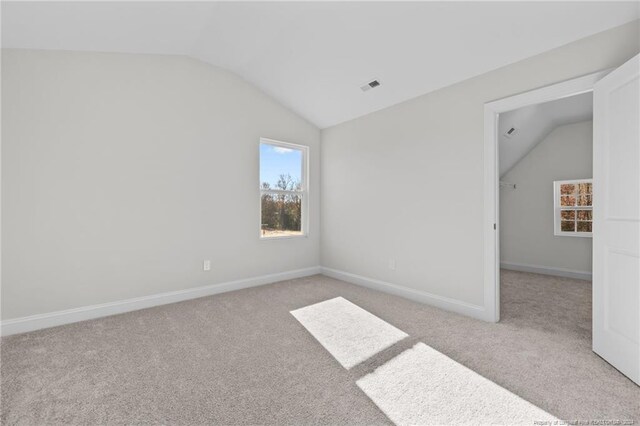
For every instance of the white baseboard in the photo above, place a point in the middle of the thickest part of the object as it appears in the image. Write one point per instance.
(52, 319)
(445, 303)
(559, 272)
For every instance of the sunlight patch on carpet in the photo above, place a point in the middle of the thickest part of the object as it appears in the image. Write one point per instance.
(423, 386)
(347, 331)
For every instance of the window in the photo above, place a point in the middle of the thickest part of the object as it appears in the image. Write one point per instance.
(573, 207)
(283, 189)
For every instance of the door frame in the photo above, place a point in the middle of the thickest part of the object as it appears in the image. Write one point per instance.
(492, 110)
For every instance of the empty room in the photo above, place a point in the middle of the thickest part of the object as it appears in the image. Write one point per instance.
(546, 214)
(337, 213)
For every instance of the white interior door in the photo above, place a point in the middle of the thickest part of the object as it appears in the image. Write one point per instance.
(616, 215)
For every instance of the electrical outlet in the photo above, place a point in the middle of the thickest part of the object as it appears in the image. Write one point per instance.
(206, 265)
(392, 264)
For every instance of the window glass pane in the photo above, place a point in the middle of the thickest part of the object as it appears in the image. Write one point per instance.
(280, 168)
(567, 188)
(584, 188)
(567, 200)
(568, 214)
(585, 215)
(584, 226)
(281, 215)
(567, 226)
(584, 200)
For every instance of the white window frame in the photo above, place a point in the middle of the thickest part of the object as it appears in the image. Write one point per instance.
(304, 192)
(557, 208)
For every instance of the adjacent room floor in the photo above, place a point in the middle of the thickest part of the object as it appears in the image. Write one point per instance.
(242, 358)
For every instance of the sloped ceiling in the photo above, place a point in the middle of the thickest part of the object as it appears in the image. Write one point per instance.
(535, 122)
(314, 56)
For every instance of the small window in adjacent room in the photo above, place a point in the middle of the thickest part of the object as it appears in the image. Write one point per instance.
(573, 207)
(283, 189)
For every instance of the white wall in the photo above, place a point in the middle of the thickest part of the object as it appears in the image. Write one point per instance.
(526, 213)
(121, 173)
(426, 156)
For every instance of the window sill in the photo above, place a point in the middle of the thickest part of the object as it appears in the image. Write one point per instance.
(282, 237)
(574, 234)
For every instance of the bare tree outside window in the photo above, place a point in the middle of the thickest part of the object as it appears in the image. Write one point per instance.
(573, 208)
(282, 190)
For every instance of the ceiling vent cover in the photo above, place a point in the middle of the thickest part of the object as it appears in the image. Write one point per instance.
(512, 131)
(370, 85)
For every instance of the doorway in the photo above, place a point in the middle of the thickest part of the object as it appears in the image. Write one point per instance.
(545, 165)
(616, 209)
(493, 110)
(545, 187)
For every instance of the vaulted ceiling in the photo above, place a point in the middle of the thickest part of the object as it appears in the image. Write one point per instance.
(314, 56)
(533, 123)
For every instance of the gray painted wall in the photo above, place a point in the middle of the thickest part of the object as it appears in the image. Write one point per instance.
(121, 173)
(526, 213)
(426, 155)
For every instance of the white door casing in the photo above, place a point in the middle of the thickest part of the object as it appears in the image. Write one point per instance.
(616, 218)
(492, 110)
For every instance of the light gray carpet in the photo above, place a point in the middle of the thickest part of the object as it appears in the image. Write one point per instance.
(242, 358)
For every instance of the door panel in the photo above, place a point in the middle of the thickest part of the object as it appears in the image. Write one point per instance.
(616, 211)
(621, 315)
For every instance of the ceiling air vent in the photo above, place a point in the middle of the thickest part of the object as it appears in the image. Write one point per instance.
(370, 85)
(512, 131)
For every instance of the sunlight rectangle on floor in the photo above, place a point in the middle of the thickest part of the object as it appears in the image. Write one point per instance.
(423, 386)
(347, 331)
